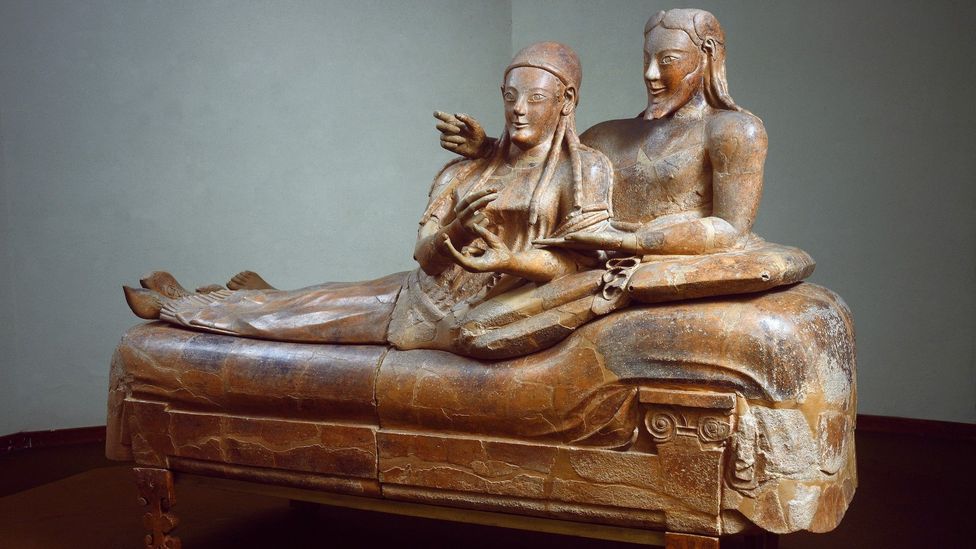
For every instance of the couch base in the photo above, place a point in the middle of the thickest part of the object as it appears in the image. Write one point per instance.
(669, 479)
(158, 495)
(708, 417)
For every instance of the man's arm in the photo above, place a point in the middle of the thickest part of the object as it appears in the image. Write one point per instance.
(736, 146)
(462, 134)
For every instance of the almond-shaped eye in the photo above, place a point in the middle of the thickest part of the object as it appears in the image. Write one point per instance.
(668, 59)
(509, 96)
(538, 97)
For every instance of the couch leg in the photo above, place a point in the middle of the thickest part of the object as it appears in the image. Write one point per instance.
(689, 541)
(157, 495)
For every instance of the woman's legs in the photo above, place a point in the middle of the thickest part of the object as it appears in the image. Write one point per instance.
(351, 313)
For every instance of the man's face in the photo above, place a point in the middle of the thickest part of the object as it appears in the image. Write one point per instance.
(673, 71)
(533, 101)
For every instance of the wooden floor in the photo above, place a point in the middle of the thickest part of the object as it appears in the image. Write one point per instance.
(914, 492)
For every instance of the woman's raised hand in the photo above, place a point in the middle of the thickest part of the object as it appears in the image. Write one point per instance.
(468, 210)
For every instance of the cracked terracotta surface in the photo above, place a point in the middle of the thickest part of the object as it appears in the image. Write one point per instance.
(593, 332)
(756, 416)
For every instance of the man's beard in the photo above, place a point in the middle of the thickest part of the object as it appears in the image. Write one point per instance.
(674, 101)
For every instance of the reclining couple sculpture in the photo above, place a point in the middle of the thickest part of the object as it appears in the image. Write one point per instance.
(593, 308)
(544, 230)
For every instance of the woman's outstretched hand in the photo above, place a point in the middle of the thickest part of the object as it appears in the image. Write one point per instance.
(496, 258)
(463, 135)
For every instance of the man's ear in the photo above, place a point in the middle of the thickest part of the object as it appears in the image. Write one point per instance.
(710, 47)
(569, 101)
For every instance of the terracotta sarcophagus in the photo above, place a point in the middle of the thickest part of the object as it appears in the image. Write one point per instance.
(593, 335)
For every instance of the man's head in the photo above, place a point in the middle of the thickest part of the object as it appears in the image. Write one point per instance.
(684, 54)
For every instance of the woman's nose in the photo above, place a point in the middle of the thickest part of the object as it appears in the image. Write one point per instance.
(520, 106)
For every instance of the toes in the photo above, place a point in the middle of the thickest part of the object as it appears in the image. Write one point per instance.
(210, 288)
(144, 302)
(164, 283)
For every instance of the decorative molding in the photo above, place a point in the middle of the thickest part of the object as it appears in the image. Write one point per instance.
(664, 423)
(866, 423)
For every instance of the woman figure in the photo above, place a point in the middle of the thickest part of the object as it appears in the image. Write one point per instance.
(475, 241)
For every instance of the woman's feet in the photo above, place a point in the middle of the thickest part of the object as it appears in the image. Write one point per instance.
(144, 303)
(164, 284)
(160, 289)
(248, 280)
(210, 288)
(157, 288)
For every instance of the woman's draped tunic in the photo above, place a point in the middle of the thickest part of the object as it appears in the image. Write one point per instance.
(415, 309)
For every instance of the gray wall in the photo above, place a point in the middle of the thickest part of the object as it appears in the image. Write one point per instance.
(870, 116)
(296, 139)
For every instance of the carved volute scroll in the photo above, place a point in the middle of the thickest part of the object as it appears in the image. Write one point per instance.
(703, 416)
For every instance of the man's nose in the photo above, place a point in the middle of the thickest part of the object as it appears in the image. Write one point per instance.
(653, 71)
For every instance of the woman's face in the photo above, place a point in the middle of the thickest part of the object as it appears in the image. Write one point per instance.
(673, 71)
(534, 99)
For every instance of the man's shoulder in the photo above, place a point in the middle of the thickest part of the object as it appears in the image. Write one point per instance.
(738, 125)
(597, 172)
(594, 162)
(609, 128)
(612, 135)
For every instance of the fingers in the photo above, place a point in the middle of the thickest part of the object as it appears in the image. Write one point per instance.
(576, 237)
(445, 117)
(449, 146)
(478, 204)
(625, 225)
(445, 127)
(467, 200)
(548, 241)
(594, 240)
(459, 139)
(460, 258)
(470, 122)
(489, 237)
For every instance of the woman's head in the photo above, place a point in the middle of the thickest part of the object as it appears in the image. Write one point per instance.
(540, 89)
(684, 54)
